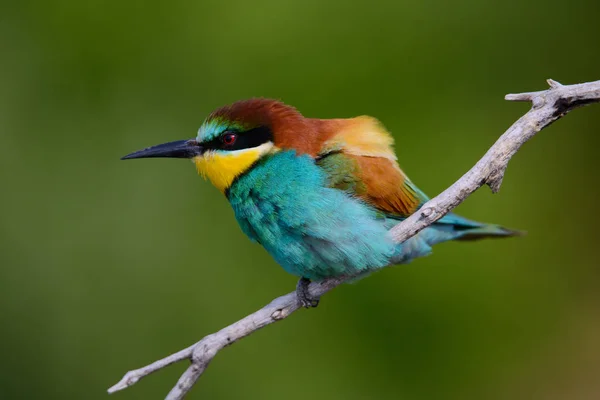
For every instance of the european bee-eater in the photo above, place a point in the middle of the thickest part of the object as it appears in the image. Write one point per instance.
(319, 194)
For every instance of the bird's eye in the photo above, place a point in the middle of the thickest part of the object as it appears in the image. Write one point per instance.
(229, 139)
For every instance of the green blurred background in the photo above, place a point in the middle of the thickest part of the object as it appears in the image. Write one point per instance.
(108, 265)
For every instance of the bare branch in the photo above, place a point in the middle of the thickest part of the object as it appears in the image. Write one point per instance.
(548, 106)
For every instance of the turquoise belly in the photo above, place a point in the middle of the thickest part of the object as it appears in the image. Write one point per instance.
(311, 230)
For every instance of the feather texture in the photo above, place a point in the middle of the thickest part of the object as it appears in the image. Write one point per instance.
(368, 145)
(322, 199)
(316, 231)
(310, 229)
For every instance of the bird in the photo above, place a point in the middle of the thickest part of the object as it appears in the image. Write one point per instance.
(320, 195)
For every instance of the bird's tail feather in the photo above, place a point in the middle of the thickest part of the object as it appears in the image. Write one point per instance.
(472, 230)
(489, 231)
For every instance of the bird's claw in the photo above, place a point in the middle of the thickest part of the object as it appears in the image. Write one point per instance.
(304, 297)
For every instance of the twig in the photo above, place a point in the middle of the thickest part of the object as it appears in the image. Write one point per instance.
(548, 106)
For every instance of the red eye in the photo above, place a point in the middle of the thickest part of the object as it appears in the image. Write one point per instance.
(229, 139)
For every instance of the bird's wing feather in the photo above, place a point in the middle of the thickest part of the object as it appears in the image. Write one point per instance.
(359, 159)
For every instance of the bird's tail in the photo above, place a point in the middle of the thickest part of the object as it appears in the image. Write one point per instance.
(455, 227)
(450, 227)
(466, 229)
(489, 231)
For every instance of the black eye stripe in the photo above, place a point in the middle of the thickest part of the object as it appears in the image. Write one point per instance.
(245, 139)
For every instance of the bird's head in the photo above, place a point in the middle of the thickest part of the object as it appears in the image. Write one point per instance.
(233, 138)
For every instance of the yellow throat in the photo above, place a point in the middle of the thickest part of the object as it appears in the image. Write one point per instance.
(221, 168)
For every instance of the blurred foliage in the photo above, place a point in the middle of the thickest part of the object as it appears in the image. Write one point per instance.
(106, 265)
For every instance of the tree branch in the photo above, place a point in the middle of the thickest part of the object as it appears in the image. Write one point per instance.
(548, 106)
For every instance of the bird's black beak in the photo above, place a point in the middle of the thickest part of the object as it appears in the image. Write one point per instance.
(178, 149)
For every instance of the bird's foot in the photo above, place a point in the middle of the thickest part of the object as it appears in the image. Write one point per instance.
(305, 299)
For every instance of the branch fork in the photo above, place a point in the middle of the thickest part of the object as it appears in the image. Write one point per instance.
(547, 106)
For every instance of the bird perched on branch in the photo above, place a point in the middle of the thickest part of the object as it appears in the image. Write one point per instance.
(318, 194)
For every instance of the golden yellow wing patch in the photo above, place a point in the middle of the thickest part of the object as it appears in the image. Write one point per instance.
(362, 136)
(385, 186)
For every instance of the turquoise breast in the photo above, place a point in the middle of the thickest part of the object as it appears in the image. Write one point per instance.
(311, 230)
